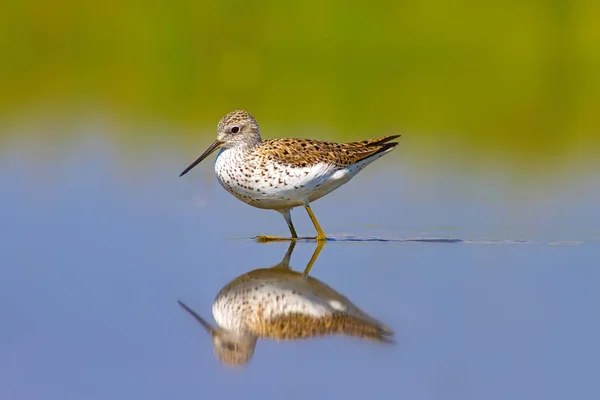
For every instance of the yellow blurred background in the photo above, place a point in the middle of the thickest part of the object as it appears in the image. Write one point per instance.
(514, 81)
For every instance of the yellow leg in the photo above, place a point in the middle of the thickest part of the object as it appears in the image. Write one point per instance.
(267, 238)
(320, 233)
(314, 257)
(288, 219)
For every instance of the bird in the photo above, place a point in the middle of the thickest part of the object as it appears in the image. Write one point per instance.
(284, 173)
(280, 304)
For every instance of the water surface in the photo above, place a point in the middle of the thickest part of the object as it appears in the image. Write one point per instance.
(490, 287)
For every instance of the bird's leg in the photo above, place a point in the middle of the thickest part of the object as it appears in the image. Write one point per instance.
(268, 238)
(320, 234)
(288, 219)
(314, 257)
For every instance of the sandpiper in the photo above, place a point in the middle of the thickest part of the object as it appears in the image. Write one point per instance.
(281, 304)
(281, 174)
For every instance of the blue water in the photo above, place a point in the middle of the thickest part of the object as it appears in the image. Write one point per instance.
(492, 289)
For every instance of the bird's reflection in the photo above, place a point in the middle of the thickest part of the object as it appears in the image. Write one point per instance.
(281, 304)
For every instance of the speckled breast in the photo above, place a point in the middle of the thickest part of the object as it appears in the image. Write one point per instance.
(270, 185)
(262, 295)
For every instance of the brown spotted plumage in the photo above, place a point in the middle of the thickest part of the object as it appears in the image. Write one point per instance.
(281, 304)
(300, 326)
(281, 174)
(300, 153)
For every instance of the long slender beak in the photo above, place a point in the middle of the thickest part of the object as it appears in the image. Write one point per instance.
(198, 318)
(216, 145)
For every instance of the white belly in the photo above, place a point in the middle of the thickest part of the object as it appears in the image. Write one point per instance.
(276, 186)
(269, 294)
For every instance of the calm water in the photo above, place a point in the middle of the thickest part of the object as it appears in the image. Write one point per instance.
(97, 248)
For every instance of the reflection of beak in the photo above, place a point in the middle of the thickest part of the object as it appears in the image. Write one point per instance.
(217, 144)
(212, 331)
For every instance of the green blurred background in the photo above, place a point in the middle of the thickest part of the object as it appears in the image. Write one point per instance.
(508, 82)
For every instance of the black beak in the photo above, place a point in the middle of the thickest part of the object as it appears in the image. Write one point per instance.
(198, 318)
(216, 145)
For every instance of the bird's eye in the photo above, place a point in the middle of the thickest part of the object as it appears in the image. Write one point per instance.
(235, 129)
(230, 346)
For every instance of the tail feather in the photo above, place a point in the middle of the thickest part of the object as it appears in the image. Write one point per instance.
(378, 149)
(378, 141)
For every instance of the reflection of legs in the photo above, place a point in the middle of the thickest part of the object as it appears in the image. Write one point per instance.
(320, 233)
(288, 219)
(285, 263)
(314, 257)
